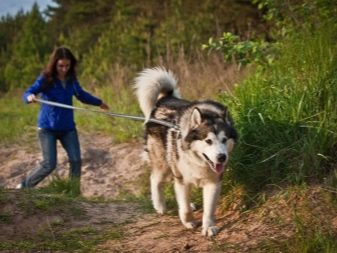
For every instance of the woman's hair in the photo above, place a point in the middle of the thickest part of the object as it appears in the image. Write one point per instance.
(59, 53)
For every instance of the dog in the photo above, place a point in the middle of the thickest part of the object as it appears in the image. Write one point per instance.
(193, 155)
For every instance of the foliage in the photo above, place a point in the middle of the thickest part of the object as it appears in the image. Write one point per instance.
(240, 52)
(79, 24)
(9, 28)
(28, 50)
(122, 42)
(287, 17)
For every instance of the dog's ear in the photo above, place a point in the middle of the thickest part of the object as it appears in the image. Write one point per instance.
(195, 118)
(230, 145)
(227, 117)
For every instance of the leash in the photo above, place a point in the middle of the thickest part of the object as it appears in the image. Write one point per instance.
(112, 114)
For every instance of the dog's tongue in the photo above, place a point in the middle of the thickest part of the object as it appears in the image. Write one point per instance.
(219, 168)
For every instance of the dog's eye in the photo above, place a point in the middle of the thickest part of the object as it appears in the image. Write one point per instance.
(209, 141)
(224, 140)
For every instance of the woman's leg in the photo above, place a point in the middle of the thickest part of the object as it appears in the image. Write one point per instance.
(70, 143)
(49, 153)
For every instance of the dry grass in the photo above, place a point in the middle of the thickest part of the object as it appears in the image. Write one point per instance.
(199, 77)
(205, 76)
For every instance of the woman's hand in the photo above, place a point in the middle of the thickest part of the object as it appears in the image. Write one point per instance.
(31, 98)
(104, 106)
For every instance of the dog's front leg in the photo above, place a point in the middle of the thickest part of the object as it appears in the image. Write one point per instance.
(182, 192)
(211, 194)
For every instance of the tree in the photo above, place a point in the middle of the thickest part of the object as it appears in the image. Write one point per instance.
(10, 26)
(29, 49)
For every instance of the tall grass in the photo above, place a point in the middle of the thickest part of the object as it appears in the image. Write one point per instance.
(286, 113)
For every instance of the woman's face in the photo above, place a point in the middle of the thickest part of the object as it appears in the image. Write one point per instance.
(62, 68)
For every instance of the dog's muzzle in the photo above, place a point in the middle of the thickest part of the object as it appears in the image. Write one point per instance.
(219, 166)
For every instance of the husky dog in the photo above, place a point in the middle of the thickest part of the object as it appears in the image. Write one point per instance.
(196, 154)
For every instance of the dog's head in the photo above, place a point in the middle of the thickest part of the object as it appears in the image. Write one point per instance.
(207, 130)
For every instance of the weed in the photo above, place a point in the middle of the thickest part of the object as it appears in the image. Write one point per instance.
(68, 187)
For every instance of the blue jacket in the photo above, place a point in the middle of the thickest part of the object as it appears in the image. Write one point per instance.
(57, 118)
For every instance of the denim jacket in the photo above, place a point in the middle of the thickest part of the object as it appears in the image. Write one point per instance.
(57, 118)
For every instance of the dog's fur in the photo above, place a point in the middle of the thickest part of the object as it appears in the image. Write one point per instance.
(194, 155)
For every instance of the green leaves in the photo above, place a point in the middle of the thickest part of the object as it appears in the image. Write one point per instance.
(241, 52)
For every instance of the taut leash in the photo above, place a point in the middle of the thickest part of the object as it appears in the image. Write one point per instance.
(112, 114)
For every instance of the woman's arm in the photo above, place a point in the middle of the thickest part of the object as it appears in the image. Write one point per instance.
(87, 98)
(36, 88)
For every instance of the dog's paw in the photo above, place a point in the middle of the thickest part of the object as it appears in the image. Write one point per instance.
(210, 231)
(190, 224)
(193, 207)
(160, 207)
(160, 210)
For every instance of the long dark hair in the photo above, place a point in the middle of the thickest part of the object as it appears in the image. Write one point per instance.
(50, 72)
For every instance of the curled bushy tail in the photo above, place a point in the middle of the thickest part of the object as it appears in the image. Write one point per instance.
(152, 84)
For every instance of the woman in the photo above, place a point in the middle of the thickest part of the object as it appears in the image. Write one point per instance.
(58, 83)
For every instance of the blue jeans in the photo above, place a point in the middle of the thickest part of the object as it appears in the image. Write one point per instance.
(48, 142)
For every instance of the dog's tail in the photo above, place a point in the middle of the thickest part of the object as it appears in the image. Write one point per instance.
(152, 84)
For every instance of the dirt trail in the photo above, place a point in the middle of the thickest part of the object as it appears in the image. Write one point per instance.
(109, 170)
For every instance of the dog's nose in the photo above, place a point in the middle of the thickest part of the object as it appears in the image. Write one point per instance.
(222, 157)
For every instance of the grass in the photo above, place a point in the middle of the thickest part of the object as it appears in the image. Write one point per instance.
(37, 200)
(286, 115)
(84, 239)
(55, 234)
(122, 102)
(17, 120)
(70, 188)
(302, 242)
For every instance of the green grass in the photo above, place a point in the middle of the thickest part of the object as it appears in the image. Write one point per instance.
(67, 187)
(287, 115)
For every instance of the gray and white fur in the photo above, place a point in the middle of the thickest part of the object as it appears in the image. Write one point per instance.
(193, 156)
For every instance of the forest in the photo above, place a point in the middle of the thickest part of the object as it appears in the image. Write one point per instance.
(107, 33)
